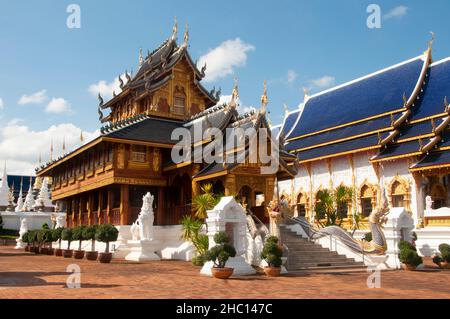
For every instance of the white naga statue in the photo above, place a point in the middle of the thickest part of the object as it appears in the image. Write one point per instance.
(142, 228)
(22, 231)
(428, 203)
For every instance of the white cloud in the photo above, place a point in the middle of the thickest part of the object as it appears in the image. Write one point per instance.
(397, 12)
(323, 82)
(106, 89)
(2, 104)
(222, 60)
(58, 105)
(291, 76)
(35, 98)
(21, 147)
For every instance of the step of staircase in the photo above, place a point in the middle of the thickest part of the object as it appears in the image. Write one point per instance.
(306, 255)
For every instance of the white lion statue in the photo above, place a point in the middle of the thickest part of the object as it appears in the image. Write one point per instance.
(142, 228)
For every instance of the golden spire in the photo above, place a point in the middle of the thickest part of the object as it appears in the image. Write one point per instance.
(64, 146)
(175, 29)
(305, 92)
(186, 35)
(141, 58)
(286, 110)
(264, 99)
(40, 159)
(81, 136)
(51, 150)
(430, 42)
(234, 93)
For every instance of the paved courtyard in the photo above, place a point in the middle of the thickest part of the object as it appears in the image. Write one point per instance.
(25, 275)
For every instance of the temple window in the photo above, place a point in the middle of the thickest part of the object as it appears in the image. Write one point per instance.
(368, 199)
(110, 153)
(438, 194)
(398, 194)
(301, 205)
(138, 153)
(179, 100)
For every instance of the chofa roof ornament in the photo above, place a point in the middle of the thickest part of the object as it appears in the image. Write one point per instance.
(264, 99)
(175, 30)
(234, 94)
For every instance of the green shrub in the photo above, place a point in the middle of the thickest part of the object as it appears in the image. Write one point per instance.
(444, 249)
(410, 257)
(32, 237)
(402, 245)
(77, 234)
(272, 252)
(437, 260)
(56, 235)
(25, 238)
(41, 236)
(45, 226)
(198, 260)
(220, 253)
(106, 234)
(368, 237)
(89, 234)
(67, 234)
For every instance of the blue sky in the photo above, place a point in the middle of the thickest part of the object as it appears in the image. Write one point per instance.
(291, 44)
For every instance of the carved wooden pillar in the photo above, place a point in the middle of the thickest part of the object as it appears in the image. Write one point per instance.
(80, 209)
(68, 211)
(352, 207)
(109, 205)
(124, 204)
(99, 208)
(90, 209)
(159, 220)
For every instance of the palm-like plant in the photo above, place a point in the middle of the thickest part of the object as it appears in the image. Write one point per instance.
(204, 202)
(191, 232)
(328, 202)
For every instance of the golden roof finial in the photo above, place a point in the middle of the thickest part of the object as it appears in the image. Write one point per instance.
(81, 136)
(234, 93)
(175, 28)
(405, 99)
(64, 145)
(306, 92)
(186, 35)
(264, 98)
(430, 42)
(446, 105)
(51, 150)
(141, 58)
(286, 109)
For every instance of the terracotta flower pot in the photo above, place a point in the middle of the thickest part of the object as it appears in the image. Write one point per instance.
(91, 255)
(31, 250)
(222, 273)
(78, 254)
(409, 267)
(272, 271)
(27, 248)
(67, 253)
(105, 258)
(36, 250)
(43, 250)
(50, 251)
(444, 265)
(58, 252)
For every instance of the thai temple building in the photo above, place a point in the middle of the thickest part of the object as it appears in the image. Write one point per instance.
(104, 180)
(387, 131)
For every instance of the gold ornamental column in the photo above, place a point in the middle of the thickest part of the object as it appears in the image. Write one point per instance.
(124, 204)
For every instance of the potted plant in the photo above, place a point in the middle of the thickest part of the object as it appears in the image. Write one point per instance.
(106, 233)
(56, 234)
(41, 241)
(67, 235)
(409, 256)
(32, 240)
(26, 241)
(48, 239)
(443, 258)
(219, 255)
(77, 234)
(272, 254)
(89, 234)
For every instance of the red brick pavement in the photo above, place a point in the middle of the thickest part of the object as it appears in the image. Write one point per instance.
(25, 275)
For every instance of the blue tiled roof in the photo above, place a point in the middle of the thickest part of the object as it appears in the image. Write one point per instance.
(325, 151)
(437, 87)
(399, 150)
(436, 158)
(289, 122)
(344, 132)
(376, 94)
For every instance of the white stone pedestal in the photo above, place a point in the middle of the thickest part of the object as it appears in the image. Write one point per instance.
(241, 268)
(142, 250)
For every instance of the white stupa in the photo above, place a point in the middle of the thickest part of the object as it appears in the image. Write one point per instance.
(4, 189)
(28, 206)
(43, 201)
(19, 205)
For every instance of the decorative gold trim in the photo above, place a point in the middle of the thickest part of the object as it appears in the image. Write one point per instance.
(135, 142)
(343, 139)
(396, 157)
(201, 178)
(429, 167)
(172, 167)
(338, 154)
(348, 124)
